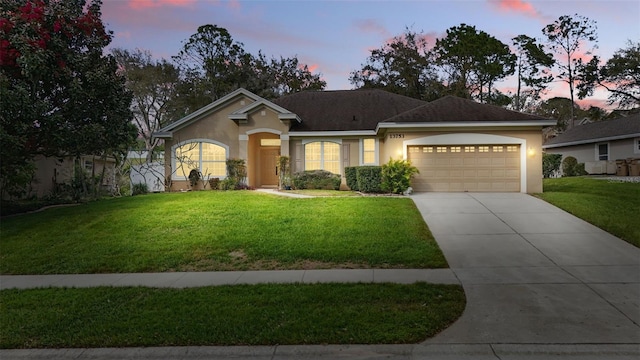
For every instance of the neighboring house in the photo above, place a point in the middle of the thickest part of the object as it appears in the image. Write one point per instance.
(457, 144)
(599, 144)
(54, 172)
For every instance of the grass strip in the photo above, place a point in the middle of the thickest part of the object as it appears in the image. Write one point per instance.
(610, 205)
(214, 231)
(227, 315)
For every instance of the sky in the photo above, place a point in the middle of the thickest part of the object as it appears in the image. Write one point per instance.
(335, 37)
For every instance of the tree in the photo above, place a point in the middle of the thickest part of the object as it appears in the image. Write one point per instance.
(473, 61)
(152, 84)
(402, 66)
(60, 96)
(620, 75)
(561, 109)
(213, 64)
(566, 36)
(532, 68)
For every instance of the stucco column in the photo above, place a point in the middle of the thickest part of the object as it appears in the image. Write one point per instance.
(243, 153)
(284, 145)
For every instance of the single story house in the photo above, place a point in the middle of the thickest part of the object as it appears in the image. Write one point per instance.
(457, 144)
(599, 144)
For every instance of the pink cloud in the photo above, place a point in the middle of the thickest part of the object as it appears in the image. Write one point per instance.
(516, 6)
(145, 4)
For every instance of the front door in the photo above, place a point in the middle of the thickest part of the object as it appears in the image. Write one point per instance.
(268, 167)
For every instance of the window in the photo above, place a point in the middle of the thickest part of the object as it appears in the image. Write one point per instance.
(602, 151)
(427, 149)
(469, 149)
(636, 146)
(441, 149)
(322, 155)
(497, 149)
(512, 148)
(414, 149)
(88, 165)
(369, 151)
(209, 158)
(456, 149)
(270, 142)
(483, 149)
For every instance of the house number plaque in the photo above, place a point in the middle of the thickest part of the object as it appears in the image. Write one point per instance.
(396, 136)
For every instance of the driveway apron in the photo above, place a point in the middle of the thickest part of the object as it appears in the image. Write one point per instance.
(532, 273)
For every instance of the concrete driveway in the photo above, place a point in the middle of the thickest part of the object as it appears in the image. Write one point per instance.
(532, 273)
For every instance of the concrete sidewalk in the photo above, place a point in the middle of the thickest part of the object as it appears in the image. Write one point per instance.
(215, 278)
(540, 284)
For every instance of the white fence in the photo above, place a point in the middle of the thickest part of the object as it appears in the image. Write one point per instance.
(151, 174)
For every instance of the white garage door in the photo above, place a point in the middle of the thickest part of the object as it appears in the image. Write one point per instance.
(452, 168)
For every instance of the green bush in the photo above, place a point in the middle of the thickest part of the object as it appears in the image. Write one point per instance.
(214, 183)
(316, 179)
(396, 176)
(550, 164)
(350, 173)
(236, 175)
(139, 188)
(369, 178)
(570, 167)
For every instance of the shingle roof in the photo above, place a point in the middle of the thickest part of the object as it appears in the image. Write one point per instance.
(345, 110)
(452, 108)
(625, 127)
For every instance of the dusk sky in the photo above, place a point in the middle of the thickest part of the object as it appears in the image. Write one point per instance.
(336, 37)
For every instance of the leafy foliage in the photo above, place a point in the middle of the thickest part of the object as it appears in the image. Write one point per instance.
(152, 84)
(369, 178)
(316, 179)
(571, 167)
(350, 174)
(473, 60)
(620, 75)
(550, 164)
(396, 176)
(60, 94)
(402, 66)
(532, 66)
(566, 36)
(213, 64)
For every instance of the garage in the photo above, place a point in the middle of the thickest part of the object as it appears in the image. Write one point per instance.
(458, 168)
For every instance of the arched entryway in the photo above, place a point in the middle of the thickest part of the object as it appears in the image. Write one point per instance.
(264, 151)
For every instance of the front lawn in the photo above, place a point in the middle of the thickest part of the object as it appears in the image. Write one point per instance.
(227, 315)
(610, 205)
(213, 230)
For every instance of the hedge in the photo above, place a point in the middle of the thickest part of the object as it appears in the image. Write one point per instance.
(369, 178)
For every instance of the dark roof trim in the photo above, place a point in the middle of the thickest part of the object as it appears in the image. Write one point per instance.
(591, 141)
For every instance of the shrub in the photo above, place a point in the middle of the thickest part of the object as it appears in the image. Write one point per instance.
(227, 184)
(139, 188)
(214, 183)
(396, 176)
(550, 164)
(350, 173)
(316, 179)
(570, 167)
(369, 178)
(284, 175)
(194, 177)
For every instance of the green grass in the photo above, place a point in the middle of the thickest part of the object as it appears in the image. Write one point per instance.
(227, 315)
(610, 205)
(212, 230)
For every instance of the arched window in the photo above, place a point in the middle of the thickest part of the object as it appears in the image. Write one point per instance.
(322, 155)
(209, 158)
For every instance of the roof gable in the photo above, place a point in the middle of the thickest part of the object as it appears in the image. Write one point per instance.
(206, 110)
(621, 128)
(456, 109)
(242, 114)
